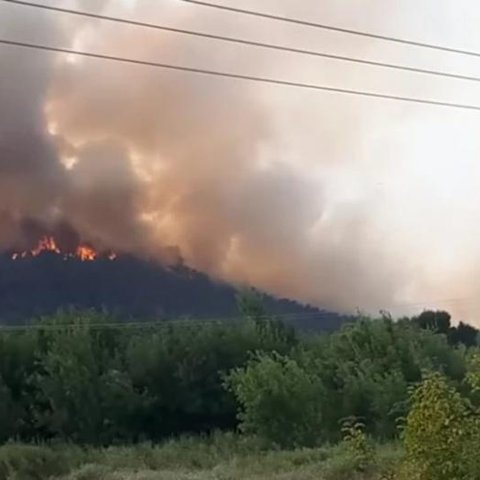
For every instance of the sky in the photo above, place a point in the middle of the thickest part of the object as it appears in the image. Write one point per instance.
(341, 201)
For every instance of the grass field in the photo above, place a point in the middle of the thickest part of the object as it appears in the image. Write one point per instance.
(221, 457)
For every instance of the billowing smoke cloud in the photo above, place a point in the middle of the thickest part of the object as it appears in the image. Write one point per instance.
(96, 200)
(30, 177)
(140, 160)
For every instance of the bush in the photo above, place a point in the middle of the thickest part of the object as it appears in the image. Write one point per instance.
(279, 400)
(357, 444)
(368, 366)
(441, 433)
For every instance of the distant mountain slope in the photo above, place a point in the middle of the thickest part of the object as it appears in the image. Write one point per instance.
(129, 287)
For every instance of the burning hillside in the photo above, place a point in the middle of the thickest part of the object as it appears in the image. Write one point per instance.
(47, 277)
(48, 244)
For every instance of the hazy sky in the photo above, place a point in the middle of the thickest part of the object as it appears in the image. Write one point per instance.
(343, 201)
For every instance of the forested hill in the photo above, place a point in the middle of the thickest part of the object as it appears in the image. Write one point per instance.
(130, 287)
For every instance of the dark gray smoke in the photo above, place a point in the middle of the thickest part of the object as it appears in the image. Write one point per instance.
(31, 180)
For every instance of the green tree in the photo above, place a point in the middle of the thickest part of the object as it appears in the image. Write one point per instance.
(437, 321)
(279, 400)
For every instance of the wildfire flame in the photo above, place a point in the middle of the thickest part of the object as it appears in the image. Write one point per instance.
(45, 244)
(83, 252)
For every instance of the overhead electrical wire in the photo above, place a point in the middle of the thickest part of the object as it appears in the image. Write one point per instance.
(289, 319)
(163, 324)
(250, 43)
(110, 325)
(333, 28)
(239, 76)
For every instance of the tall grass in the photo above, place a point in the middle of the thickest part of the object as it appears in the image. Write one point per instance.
(220, 456)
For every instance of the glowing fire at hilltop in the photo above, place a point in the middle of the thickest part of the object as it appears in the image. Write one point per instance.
(83, 252)
(45, 244)
(86, 254)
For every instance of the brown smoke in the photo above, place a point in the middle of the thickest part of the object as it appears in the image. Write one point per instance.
(139, 159)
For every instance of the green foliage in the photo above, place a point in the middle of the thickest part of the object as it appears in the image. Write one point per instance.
(368, 366)
(357, 444)
(280, 401)
(17, 365)
(473, 373)
(441, 432)
(7, 413)
(251, 306)
(81, 377)
(363, 371)
(439, 322)
(82, 392)
(463, 334)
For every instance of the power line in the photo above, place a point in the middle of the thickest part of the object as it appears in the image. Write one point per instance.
(232, 321)
(223, 321)
(238, 76)
(334, 28)
(250, 43)
(110, 325)
(292, 316)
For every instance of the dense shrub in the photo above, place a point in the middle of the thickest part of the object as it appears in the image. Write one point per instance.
(438, 431)
(442, 429)
(363, 371)
(280, 401)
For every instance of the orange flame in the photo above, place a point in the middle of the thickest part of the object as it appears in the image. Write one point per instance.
(83, 252)
(45, 244)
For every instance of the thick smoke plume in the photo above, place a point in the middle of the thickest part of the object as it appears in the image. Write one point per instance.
(162, 164)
